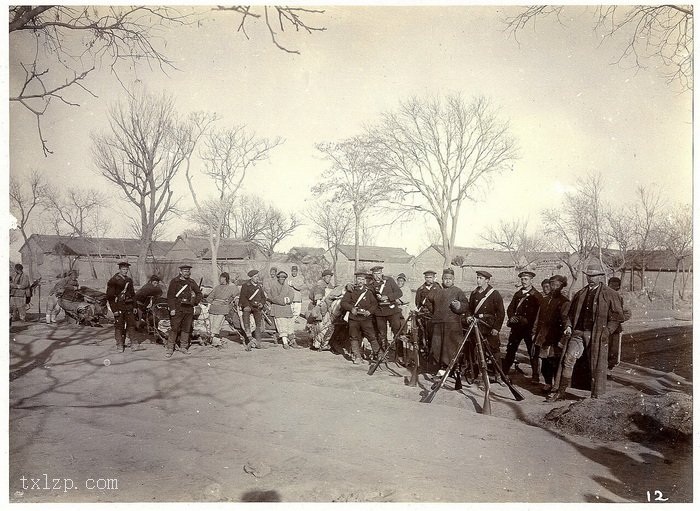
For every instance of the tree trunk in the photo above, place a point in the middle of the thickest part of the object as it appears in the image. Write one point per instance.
(357, 240)
(140, 275)
(673, 287)
(446, 246)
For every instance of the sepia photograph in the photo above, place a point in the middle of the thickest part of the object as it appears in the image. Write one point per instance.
(365, 253)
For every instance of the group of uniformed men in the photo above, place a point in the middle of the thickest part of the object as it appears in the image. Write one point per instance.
(557, 331)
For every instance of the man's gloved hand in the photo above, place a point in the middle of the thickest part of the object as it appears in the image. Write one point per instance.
(353, 311)
(471, 319)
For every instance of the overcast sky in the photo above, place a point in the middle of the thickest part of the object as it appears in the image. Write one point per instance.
(571, 109)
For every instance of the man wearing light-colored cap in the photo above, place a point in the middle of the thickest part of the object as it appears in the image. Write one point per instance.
(296, 282)
(120, 295)
(183, 295)
(549, 328)
(595, 312)
(522, 312)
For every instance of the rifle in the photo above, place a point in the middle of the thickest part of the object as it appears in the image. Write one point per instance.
(428, 398)
(375, 364)
(486, 407)
(413, 381)
(487, 351)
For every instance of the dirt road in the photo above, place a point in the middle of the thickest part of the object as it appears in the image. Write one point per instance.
(312, 426)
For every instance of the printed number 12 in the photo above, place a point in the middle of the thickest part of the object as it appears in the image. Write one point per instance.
(658, 496)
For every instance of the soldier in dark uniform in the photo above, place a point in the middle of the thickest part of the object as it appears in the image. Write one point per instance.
(446, 318)
(522, 313)
(421, 296)
(183, 295)
(252, 300)
(486, 305)
(361, 304)
(386, 291)
(149, 291)
(120, 295)
(549, 330)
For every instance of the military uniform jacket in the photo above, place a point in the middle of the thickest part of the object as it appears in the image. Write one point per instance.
(368, 302)
(438, 303)
(492, 311)
(120, 293)
(252, 295)
(183, 293)
(423, 291)
(389, 288)
(147, 292)
(522, 311)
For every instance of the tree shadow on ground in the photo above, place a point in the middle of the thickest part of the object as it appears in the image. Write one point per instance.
(632, 478)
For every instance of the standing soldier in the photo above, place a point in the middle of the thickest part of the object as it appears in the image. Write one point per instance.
(252, 301)
(220, 301)
(120, 295)
(486, 305)
(281, 297)
(360, 304)
(595, 312)
(387, 292)
(406, 301)
(549, 329)
(183, 295)
(445, 305)
(522, 313)
(296, 281)
(421, 297)
(19, 291)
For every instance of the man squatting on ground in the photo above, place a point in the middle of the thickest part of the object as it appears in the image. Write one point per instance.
(549, 329)
(252, 301)
(53, 306)
(120, 295)
(281, 297)
(522, 312)
(183, 295)
(220, 300)
(19, 292)
(595, 312)
(361, 304)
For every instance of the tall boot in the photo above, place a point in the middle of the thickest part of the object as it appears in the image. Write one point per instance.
(558, 395)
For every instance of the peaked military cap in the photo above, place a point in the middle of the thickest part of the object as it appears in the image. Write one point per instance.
(326, 272)
(448, 271)
(526, 273)
(185, 266)
(376, 268)
(123, 264)
(253, 272)
(401, 276)
(282, 272)
(361, 272)
(429, 272)
(484, 273)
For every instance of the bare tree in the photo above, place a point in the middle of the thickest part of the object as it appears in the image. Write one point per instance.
(228, 155)
(70, 42)
(25, 198)
(331, 225)
(278, 227)
(437, 152)
(677, 238)
(590, 188)
(657, 33)
(620, 229)
(353, 179)
(249, 218)
(278, 17)
(513, 236)
(79, 212)
(646, 213)
(145, 150)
